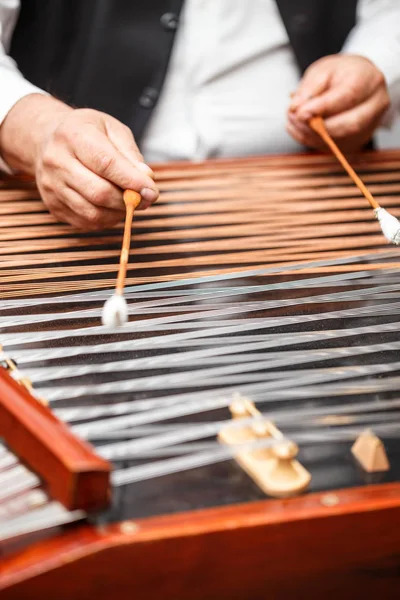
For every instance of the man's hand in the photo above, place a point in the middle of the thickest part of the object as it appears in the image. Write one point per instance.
(349, 92)
(82, 160)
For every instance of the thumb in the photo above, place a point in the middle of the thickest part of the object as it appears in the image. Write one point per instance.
(122, 138)
(332, 102)
(314, 82)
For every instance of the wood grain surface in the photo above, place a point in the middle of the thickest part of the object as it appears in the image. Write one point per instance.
(324, 545)
(215, 218)
(74, 474)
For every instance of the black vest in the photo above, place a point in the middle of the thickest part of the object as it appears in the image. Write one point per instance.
(112, 55)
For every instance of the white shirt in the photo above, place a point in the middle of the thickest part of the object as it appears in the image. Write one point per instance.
(226, 93)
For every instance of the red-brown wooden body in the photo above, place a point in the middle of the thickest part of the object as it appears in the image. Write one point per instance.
(345, 544)
(74, 475)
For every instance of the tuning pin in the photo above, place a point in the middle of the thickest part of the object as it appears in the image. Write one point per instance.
(286, 476)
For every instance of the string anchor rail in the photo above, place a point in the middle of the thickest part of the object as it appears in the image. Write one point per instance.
(275, 469)
(11, 366)
(75, 476)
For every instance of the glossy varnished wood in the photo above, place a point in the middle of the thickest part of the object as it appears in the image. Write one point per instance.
(75, 476)
(344, 544)
(340, 545)
(200, 208)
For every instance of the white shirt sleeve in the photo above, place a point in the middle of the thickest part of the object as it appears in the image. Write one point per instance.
(13, 85)
(377, 37)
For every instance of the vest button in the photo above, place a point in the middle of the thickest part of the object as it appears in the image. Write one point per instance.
(148, 98)
(169, 21)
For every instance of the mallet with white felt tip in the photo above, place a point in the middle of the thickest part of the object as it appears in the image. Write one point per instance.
(115, 310)
(389, 224)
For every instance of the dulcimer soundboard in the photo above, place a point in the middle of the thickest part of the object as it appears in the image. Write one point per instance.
(238, 437)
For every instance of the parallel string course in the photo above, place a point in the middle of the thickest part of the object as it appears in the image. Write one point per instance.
(203, 260)
(190, 210)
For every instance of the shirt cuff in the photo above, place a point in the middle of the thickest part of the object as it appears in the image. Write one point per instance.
(13, 88)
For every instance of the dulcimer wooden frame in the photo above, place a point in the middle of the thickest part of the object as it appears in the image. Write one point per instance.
(342, 544)
(73, 473)
(327, 542)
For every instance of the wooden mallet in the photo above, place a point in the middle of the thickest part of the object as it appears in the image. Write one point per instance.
(115, 310)
(389, 224)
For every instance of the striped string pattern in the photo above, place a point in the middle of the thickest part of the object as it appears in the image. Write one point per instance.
(259, 277)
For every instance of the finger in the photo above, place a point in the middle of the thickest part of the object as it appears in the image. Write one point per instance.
(98, 154)
(53, 205)
(314, 82)
(89, 216)
(304, 139)
(91, 187)
(61, 212)
(363, 118)
(123, 140)
(298, 136)
(69, 206)
(338, 99)
(122, 137)
(67, 172)
(306, 130)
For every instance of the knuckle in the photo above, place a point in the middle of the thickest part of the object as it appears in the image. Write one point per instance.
(96, 218)
(61, 132)
(126, 130)
(97, 195)
(66, 133)
(103, 195)
(350, 95)
(104, 163)
(45, 183)
(49, 158)
(349, 129)
(93, 218)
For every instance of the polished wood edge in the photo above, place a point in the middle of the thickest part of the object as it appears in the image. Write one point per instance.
(81, 542)
(73, 473)
(289, 159)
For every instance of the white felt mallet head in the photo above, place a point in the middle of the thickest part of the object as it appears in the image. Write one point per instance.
(115, 311)
(389, 224)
